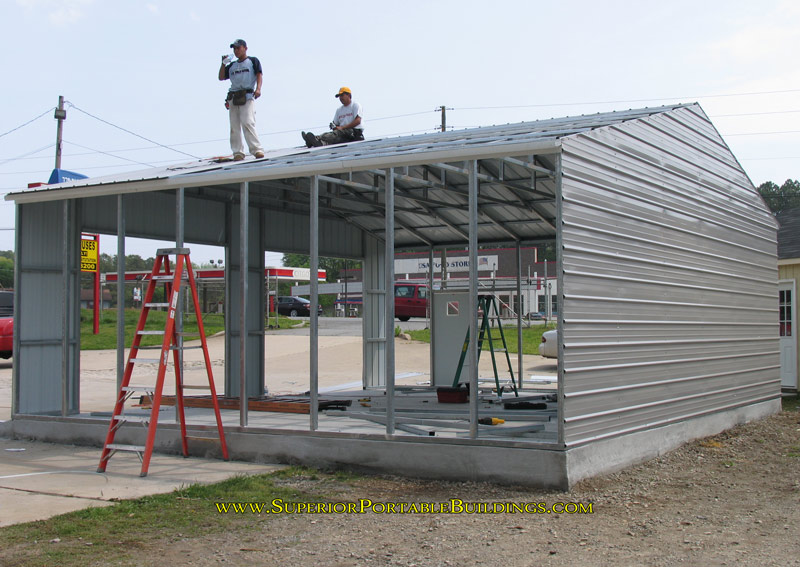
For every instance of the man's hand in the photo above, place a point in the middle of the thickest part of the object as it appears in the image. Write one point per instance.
(256, 93)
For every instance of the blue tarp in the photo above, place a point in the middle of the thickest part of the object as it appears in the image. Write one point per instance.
(62, 175)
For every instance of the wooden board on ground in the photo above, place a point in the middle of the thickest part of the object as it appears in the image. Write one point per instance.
(283, 404)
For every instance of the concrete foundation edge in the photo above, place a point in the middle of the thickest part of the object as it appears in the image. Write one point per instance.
(611, 455)
(532, 467)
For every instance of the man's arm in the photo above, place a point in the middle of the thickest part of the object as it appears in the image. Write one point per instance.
(222, 70)
(259, 78)
(354, 124)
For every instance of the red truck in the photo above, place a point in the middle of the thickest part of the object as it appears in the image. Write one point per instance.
(410, 300)
(6, 323)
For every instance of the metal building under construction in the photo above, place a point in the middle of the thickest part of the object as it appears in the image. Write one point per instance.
(667, 287)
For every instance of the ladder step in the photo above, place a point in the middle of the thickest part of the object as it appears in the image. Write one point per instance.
(195, 387)
(132, 448)
(150, 332)
(145, 360)
(133, 418)
(212, 439)
(168, 277)
(138, 388)
(156, 304)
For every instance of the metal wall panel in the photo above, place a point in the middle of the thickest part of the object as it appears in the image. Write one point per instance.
(152, 215)
(46, 376)
(669, 278)
(289, 233)
(374, 314)
(256, 292)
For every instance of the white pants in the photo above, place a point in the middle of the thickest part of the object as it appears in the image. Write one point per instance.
(244, 118)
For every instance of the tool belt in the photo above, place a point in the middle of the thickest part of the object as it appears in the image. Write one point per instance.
(239, 98)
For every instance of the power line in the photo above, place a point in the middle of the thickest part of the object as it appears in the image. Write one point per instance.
(36, 151)
(129, 132)
(172, 147)
(768, 158)
(154, 164)
(28, 122)
(626, 101)
(754, 113)
(762, 133)
(109, 154)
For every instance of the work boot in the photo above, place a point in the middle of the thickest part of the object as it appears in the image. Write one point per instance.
(238, 157)
(312, 141)
(259, 155)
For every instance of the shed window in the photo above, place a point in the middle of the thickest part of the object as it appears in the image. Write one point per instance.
(785, 312)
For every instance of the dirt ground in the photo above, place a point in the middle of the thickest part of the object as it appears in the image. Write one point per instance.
(725, 500)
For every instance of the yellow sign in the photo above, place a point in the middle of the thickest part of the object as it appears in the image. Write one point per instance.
(89, 255)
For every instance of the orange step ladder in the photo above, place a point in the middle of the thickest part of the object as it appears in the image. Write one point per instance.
(173, 280)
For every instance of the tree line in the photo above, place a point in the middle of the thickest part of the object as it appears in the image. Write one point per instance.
(780, 198)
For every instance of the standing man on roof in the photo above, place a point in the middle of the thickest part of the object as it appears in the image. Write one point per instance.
(245, 75)
(347, 125)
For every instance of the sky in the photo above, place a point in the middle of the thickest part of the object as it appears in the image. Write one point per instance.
(140, 77)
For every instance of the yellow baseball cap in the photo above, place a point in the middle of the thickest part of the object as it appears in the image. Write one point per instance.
(344, 90)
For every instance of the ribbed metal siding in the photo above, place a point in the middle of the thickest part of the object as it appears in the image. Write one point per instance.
(289, 232)
(39, 355)
(669, 278)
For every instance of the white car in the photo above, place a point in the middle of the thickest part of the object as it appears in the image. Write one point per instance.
(549, 345)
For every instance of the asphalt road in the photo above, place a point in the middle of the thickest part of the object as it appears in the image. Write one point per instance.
(346, 327)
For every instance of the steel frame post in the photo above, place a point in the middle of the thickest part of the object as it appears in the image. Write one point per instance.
(313, 338)
(429, 312)
(65, 242)
(120, 288)
(244, 205)
(179, 237)
(389, 301)
(520, 381)
(473, 299)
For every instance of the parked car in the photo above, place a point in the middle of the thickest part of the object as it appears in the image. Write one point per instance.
(410, 300)
(535, 316)
(6, 324)
(549, 345)
(293, 306)
(6, 303)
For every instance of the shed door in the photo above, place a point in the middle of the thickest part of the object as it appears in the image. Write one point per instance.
(788, 335)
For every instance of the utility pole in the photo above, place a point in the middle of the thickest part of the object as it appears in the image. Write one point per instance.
(444, 119)
(60, 115)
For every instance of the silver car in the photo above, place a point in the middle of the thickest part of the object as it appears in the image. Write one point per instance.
(549, 345)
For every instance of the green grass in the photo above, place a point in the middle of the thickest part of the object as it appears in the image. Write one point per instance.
(531, 337)
(121, 533)
(156, 321)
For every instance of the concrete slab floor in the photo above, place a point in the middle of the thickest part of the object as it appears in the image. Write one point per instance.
(41, 480)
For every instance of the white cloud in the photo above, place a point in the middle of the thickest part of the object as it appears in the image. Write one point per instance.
(769, 39)
(758, 44)
(152, 8)
(59, 12)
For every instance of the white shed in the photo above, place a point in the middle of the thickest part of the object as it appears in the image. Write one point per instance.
(667, 282)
